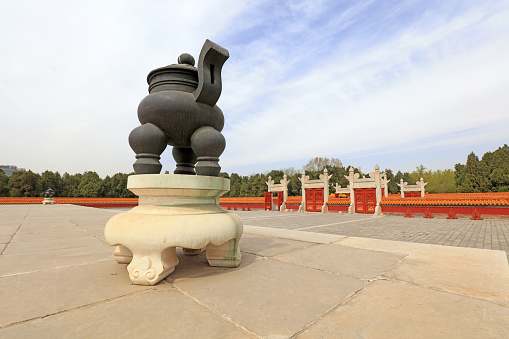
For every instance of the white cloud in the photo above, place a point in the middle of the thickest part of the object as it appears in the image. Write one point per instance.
(72, 75)
(382, 98)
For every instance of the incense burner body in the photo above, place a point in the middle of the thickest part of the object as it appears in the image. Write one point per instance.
(181, 111)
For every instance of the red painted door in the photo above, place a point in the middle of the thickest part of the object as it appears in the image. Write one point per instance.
(279, 200)
(365, 200)
(314, 199)
(268, 201)
(359, 200)
(310, 199)
(370, 196)
(318, 199)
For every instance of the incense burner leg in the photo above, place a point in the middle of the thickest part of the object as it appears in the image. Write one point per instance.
(150, 267)
(186, 160)
(208, 144)
(225, 255)
(123, 255)
(148, 142)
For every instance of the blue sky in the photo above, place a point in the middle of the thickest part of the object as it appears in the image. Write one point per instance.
(394, 83)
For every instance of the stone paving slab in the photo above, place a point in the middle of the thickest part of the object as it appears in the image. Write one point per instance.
(64, 233)
(162, 313)
(191, 267)
(475, 272)
(353, 262)
(50, 244)
(269, 247)
(290, 283)
(32, 262)
(38, 294)
(10, 229)
(387, 309)
(289, 234)
(272, 298)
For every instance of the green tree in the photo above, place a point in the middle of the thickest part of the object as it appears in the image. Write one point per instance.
(498, 166)
(405, 176)
(244, 187)
(476, 176)
(235, 183)
(107, 189)
(459, 176)
(119, 185)
(294, 186)
(392, 184)
(90, 185)
(277, 176)
(25, 184)
(4, 181)
(420, 172)
(441, 181)
(53, 181)
(337, 177)
(116, 186)
(70, 184)
(255, 186)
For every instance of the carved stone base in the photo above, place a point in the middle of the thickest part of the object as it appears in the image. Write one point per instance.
(225, 255)
(174, 211)
(191, 251)
(48, 201)
(123, 255)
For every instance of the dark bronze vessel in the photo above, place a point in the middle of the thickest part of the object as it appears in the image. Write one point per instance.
(181, 111)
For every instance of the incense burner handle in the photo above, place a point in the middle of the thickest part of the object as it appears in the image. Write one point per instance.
(211, 61)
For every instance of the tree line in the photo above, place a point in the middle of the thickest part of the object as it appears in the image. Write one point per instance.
(88, 184)
(490, 174)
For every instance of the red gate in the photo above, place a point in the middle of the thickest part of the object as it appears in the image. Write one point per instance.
(314, 199)
(280, 200)
(268, 201)
(365, 200)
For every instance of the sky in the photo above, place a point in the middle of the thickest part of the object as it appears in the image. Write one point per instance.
(394, 83)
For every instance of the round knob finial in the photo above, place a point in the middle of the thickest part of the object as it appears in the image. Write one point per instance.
(186, 58)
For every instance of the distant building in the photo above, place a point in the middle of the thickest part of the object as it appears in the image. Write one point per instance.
(9, 169)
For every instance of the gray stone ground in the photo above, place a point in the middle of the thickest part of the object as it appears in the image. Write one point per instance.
(487, 234)
(58, 279)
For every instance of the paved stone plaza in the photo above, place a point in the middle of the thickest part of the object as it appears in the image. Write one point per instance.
(490, 234)
(305, 275)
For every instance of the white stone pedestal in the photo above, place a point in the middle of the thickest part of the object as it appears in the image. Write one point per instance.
(174, 211)
(47, 201)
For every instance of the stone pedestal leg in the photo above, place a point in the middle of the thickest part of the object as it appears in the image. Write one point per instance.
(192, 251)
(123, 255)
(225, 255)
(150, 267)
